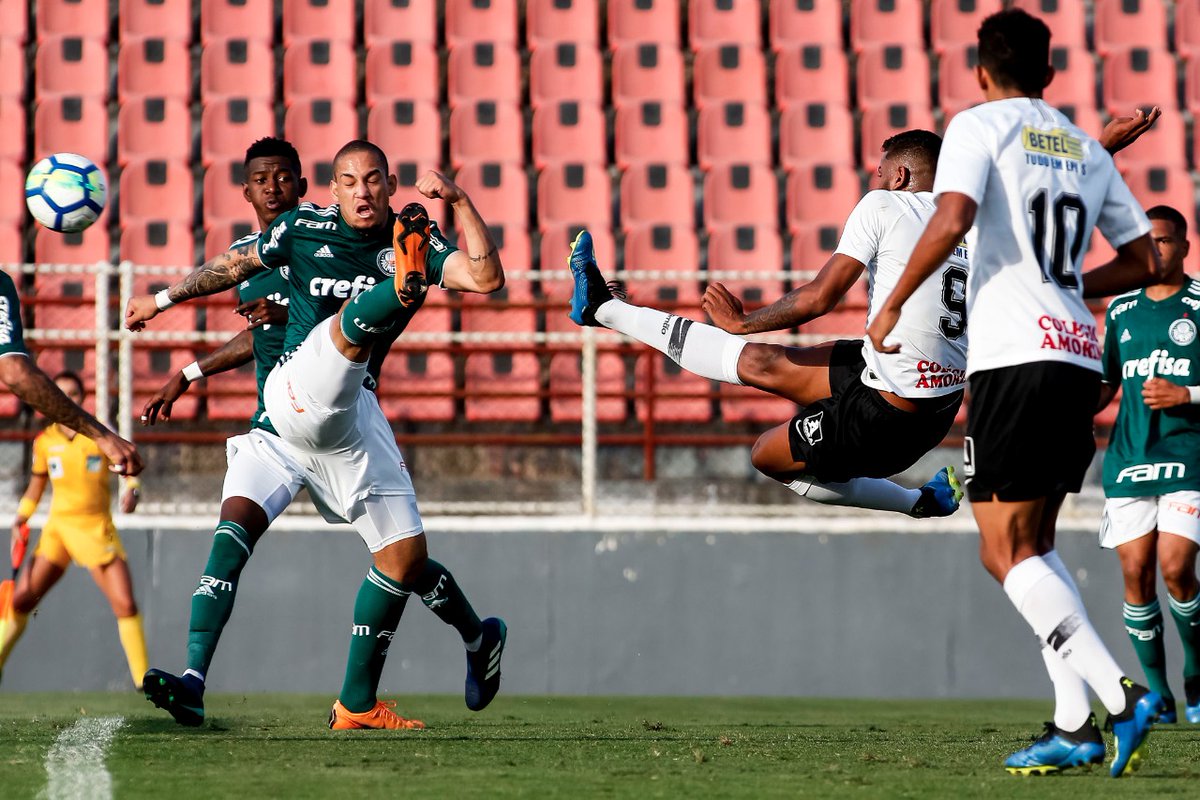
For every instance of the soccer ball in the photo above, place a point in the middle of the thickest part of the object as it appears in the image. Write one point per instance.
(65, 192)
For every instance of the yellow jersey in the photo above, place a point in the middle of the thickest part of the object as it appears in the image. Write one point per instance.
(78, 472)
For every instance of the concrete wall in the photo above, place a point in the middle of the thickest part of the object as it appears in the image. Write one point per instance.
(645, 611)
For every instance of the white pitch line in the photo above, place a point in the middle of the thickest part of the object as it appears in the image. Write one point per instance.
(75, 768)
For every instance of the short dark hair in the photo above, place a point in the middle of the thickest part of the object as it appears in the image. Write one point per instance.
(1172, 216)
(918, 144)
(271, 147)
(362, 146)
(1014, 47)
(71, 375)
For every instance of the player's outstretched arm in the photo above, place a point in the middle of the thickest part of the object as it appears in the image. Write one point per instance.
(237, 351)
(1136, 265)
(35, 388)
(1121, 132)
(476, 267)
(804, 303)
(223, 271)
(946, 228)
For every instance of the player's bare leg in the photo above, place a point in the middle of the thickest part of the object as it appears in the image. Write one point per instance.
(116, 584)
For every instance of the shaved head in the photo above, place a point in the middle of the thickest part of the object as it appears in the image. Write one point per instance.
(357, 147)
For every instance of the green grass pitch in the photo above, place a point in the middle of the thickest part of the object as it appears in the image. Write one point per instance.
(265, 746)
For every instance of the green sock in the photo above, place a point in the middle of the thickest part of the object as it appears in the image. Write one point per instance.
(212, 602)
(376, 312)
(440, 593)
(1144, 624)
(1187, 620)
(377, 612)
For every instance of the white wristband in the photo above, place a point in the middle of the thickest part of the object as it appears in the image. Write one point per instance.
(193, 372)
(163, 300)
(1194, 395)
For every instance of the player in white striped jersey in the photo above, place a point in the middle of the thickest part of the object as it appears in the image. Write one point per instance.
(1029, 186)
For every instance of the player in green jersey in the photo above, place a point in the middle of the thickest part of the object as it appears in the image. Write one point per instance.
(1152, 467)
(262, 478)
(358, 273)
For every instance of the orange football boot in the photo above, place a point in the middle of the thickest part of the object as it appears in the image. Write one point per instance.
(381, 717)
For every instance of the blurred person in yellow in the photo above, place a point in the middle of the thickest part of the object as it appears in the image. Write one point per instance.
(79, 528)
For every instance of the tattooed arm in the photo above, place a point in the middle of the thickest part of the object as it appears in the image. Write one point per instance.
(222, 272)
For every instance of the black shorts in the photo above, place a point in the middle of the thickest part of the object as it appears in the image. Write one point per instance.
(856, 433)
(1029, 431)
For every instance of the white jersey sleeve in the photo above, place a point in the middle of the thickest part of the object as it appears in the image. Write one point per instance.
(1041, 185)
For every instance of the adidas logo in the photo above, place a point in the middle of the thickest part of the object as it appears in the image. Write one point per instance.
(1125, 337)
(323, 252)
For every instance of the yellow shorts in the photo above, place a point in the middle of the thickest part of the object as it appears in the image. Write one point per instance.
(89, 540)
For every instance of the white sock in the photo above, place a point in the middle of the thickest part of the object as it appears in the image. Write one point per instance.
(1071, 703)
(700, 349)
(1057, 616)
(877, 493)
(473, 646)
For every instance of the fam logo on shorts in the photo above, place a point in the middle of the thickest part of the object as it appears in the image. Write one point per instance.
(810, 428)
(1182, 332)
(386, 261)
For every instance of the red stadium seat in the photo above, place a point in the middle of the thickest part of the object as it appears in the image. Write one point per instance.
(236, 19)
(678, 396)
(12, 198)
(745, 248)
(651, 133)
(509, 309)
(1074, 81)
(566, 387)
(1154, 186)
(71, 65)
(53, 358)
(954, 23)
(154, 367)
(512, 240)
(733, 133)
(153, 68)
(426, 380)
(229, 125)
(574, 194)
(319, 68)
(156, 190)
(408, 130)
(12, 130)
(1139, 77)
(796, 24)
(821, 194)
(154, 127)
(318, 129)
(14, 21)
(484, 71)
(486, 131)
(673, 248)
(502, 387)
(551, 22)
(68, 124)
(1122, 24)
(85, 18)
(1164, 145)
(84, 247)
(816, 133)
(1191, 92)
(812, 74)
(566, 71)
(237, 68)
(223, 200)
(305, 20)
(740, 194)
(233, 395)
(155, 19)
(885, 121)
(385, 21)
(647, 71)
(568, 132)
(499, 191)
(957, 85)
(219, 235)
(893, 74)
(881, 22)
(469, 21)
(1187, 28)
(1087, 119)
(812, 245)
(556, 246)
(748, 404)
(407, 69)
(637, 21)
(728, 72)
(717, 22)
(1067, 20)
(157, 243)
(12, 68)
(655, 194)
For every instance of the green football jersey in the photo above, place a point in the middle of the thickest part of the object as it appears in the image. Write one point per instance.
(329, 262)
(268, 339)
(12, 339)
(1152, 452)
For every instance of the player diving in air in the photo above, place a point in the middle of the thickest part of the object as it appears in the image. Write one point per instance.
(358, 272)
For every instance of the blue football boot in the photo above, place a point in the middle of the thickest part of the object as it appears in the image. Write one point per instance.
(1191, 691)
(1056, 750)
(483, 666)
(1131, 727)
(177, 696)
(939, 497)
(591, 291)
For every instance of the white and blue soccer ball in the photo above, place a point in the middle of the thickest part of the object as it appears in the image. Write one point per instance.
(65, 192)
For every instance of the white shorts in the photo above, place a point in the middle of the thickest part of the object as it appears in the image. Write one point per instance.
(262, 469)
(1129, 518)
(338, 434)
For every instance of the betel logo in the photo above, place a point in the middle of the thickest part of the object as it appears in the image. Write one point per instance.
(1140, 473)
(810, 428)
